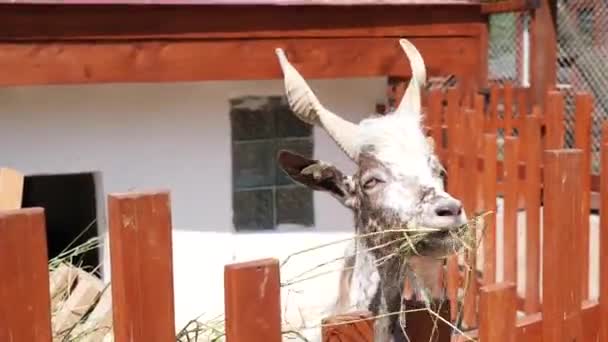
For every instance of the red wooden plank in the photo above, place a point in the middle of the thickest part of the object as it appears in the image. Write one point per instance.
(434, 117)
(489, 191)
(532, 158)
(469, 192)
(522, 112)
(24, 284)
(582, 131)
(543, 50)
(136, 23)
(453, 128)
(85, 62)
(142, 266)
(554, 120)
(508, 110)
(493, 109)
(324, 3)
(508, 6)
(511, 192)
(478, 124)
(497, 305)
(352, 327)
(603, 296)
(252, 300)
(561, 308)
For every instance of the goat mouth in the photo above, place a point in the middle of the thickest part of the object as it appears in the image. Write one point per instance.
(440, 244)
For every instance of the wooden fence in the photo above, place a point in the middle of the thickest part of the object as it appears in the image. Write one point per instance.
(535, 171)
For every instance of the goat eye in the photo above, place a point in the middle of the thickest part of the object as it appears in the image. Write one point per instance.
(371, 183)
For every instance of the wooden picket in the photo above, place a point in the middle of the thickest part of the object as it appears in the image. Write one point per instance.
(141, 266)
(532, 203)
(24, 284)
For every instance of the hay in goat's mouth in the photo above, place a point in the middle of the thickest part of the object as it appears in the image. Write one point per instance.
(464, 236)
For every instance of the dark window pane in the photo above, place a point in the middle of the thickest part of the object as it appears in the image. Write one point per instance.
(287, 124)
(304, 147)
(253, 210)
(251, 118)
(253, 164)
(295, 206)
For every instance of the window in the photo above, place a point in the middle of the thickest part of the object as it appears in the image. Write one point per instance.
(263, 196)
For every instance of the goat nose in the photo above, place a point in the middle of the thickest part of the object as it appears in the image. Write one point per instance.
(448, 207)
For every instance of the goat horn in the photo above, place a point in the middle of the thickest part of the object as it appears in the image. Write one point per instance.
(411, 101)
(307, 108)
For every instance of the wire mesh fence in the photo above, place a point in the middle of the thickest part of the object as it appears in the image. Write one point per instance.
(582, 29)
(508, 48)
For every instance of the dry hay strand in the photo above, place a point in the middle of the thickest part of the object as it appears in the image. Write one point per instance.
(408, 240)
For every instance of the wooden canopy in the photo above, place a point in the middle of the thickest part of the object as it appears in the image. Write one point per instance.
(83, 42)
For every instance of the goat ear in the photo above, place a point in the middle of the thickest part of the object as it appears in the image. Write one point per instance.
(314, 174)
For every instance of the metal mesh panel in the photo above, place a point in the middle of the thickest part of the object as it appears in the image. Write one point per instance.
(581, 66)
(508, 52)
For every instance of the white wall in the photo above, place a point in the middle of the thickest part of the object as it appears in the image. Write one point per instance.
(177, 136)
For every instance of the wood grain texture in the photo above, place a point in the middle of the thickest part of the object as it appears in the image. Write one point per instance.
(423, 326)
(351, 327)
(453, 186)
(532, 194)
(435, 118)
(554, 120)
(197, 60)
(509, 6)
(508, 108)
(562, 248)
(142, 266)
(543, 52)
(497, 305)
(511, 191)
(582, 139)
(469, 192)
(24, 284)
(489, 191)
(492, 125)
(603, 248)
(123, 22)
(252, 301)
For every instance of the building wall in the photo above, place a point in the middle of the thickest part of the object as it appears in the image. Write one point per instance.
(177, 136)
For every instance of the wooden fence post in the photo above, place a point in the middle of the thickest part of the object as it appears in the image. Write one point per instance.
(351, 327)
(489, 192)
(453, 185)
(508, 108)
(141, 267)
(554, 120)
(469, 196)
(532, 192)
(424, 326)
(252, 300)
(562, 247)
(492, 120)
(24, 284)
(498, 303)
(511, 192)
(603, 253)
(582, 132)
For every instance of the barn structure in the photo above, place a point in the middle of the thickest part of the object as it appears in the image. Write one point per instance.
(98, 96)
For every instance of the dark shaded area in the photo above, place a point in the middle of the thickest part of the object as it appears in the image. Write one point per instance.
(70, 207)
